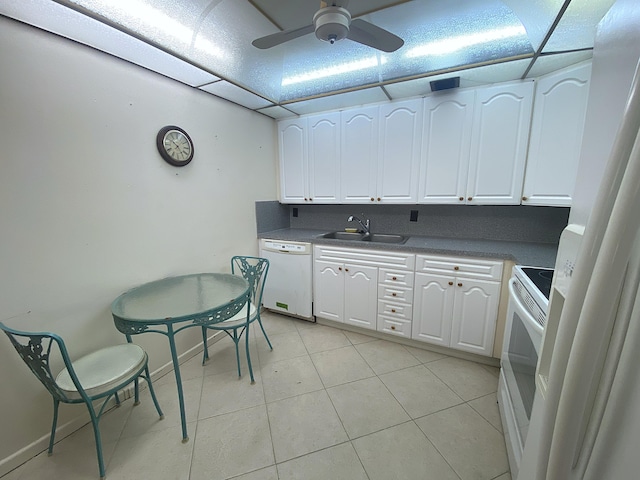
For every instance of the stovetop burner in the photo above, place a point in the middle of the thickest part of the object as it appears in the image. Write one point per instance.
(541, 278)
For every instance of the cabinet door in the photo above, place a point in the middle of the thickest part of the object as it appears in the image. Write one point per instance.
(446, 144)
(474, 315)
(294, 185)
(559, 112)
(502, 115)
(433, 308)
(399, 159)
(328, 290)
(324, 158)
(361, 296)
(358, 154)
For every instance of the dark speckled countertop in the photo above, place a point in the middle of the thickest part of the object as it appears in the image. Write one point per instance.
(522, 253)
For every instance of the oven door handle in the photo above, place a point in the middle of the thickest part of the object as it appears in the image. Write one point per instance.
(530, 322)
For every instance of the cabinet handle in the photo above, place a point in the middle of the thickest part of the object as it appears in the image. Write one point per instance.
(461, 199)
(469, 198)
(373, 199)
(450, 283)
(346, 269)
(393, 310)
(378, 198)
(340, 268)
(393, 327)
(394, 278)
(310, 199)
(460, 284)
(394, 294)
(305, 199)
(524, 199)
(456, 268)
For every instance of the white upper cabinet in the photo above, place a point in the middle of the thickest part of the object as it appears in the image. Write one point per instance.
(502, 116)
(455, 147)
(324, 158)
(359, 154)
(399, 151)
(446, 143)
(292, 139)
(556, 136)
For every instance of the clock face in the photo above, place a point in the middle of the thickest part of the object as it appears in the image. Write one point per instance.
(175, 146)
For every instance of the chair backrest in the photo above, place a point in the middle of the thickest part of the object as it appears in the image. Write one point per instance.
(254, 270)
(35, 348)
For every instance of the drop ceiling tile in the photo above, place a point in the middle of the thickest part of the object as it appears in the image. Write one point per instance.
(55, 18)
(236, 95)
(471, 77)
(577, 28)
(276, 112)
(550, 63)
(342, 100)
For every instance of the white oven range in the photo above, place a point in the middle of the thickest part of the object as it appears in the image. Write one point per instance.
(529, 289)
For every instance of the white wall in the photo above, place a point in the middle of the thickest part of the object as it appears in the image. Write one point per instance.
(615, 56)
(89, 209)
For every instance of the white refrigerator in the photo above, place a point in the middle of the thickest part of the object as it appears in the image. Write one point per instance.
(585, 422)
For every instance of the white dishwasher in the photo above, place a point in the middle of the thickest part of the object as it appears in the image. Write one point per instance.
(288, 286)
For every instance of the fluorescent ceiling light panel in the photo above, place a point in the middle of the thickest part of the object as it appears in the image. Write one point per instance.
(451, 45)
(334, 70)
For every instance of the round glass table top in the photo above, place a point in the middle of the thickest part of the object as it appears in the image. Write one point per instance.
(180, 298)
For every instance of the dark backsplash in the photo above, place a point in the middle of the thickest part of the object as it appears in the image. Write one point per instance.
(496, 222)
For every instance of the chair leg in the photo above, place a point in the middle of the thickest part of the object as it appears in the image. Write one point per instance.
(265, 333)
(236, 340)
(153, 393)
(136, 393)
(96, 433)
(205, 355)
(246, 337)
(52, 438)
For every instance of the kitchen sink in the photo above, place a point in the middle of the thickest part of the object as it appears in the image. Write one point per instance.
(373, 237)
(384, 238)
(343, 235)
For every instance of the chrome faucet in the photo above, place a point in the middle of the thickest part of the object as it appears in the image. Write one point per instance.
(364, 225)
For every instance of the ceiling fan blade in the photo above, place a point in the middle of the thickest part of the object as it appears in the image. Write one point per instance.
(368, 34)
(281, 37)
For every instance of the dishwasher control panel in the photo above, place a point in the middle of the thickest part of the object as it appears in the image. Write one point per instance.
(288, 247)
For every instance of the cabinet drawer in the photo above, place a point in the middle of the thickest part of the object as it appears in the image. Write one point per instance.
(357, 256)
(398, 311)
(467, 267)
(395, 327)
(395, 277)
(395, 294)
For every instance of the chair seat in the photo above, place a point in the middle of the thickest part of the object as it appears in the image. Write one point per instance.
(239, 318)
(103, 370)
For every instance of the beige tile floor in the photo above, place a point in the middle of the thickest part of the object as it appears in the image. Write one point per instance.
(327, 404)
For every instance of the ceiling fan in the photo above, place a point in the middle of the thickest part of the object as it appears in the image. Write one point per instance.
(332, 23)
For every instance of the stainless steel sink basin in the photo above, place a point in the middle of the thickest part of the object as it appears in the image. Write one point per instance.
(373, 237)
(343, 235)
(384, 238)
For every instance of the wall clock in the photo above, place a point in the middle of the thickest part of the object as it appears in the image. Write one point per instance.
(175, 145)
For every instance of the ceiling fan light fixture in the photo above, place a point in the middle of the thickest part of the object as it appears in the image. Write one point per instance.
(332, 24)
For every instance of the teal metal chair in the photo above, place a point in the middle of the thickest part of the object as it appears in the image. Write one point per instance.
(96, 376)
(254, 270)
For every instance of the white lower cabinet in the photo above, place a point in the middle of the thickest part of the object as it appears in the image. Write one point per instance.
(335, 282)
(346, 287)
(395, 302)
(456, 302)
(447, 301)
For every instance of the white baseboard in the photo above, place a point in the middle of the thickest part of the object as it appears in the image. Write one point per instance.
(38, 446)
